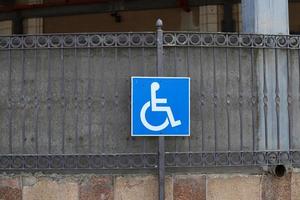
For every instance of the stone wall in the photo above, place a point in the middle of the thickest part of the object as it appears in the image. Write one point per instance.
(137, 187)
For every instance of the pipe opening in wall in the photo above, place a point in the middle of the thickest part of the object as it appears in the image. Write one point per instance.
(278, 170)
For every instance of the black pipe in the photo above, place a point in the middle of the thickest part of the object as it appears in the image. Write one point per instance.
(278, 170)
(17, 24)
(228, 23)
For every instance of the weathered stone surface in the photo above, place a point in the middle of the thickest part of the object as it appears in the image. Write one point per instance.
(274, 188)
(7, 193)
(10, 188)
(97, 188)
(140, 188)
(233, 187)
(51, 190)
(29, 180)
(295, 186)
(10, 182)
(189, 187)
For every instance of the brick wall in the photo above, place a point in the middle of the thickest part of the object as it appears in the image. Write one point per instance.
(137, 187)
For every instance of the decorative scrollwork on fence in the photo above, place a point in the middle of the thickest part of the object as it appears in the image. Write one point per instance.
(147, 161)
(148, 40)
(230, 40)
(78, 40)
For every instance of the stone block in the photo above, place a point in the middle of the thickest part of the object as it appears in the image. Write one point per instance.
(51, 190)
(7, 193)
(29, 180)
(233, 187)
(189, 187)
(295, 186)
(212, 27)
(10, 188)
(97, 188)
(140, 188)
(274, 188)
(11, 182)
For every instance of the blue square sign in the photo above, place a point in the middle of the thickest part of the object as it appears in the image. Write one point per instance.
(160, 106)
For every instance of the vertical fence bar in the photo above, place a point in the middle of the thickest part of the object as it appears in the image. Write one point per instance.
(36, 103)
(215, 101)
(227, 102)
(49, 104)
(289, 98)
(89, 102)
(161, 139)
(10, 102)
(202, 101)
(75, 93)
(253, 100)
(240, 102)
(63, 99)
(265, 99)
(277, 100)
(102, 106)
(22, 99)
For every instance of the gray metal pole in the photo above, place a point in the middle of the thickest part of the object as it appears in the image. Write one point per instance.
(161, 140)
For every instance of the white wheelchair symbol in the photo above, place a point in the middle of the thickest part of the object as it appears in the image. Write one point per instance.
(155, 108)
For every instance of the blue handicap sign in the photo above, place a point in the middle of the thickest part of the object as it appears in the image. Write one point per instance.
(160, 106)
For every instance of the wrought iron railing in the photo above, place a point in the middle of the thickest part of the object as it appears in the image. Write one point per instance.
(65, 100)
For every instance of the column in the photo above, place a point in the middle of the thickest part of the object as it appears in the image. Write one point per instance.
(265, 16)
(271, 66)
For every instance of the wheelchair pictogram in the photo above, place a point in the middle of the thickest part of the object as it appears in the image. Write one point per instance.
(160, 106)
(153, 104)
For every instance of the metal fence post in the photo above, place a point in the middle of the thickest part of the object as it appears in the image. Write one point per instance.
(161, 140)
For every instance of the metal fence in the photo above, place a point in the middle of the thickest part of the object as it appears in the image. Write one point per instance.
(65, 100)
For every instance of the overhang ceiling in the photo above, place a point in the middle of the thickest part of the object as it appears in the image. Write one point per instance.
(9, 9)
